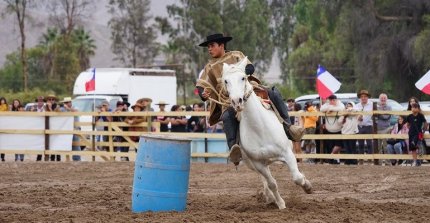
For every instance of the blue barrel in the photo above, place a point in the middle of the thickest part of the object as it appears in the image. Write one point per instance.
(161, 174)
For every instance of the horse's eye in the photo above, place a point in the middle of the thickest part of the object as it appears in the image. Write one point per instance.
(243, 78)
(225, 81)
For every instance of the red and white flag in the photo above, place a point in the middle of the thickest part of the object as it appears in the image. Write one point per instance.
(326, 83)
(424, 83)
(91, 84)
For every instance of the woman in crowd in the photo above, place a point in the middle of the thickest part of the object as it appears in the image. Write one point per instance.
(135, 120)
(412, 100)
(3, 107)
(178, 123)
(16, 106)
(398, 146)
(3, 104)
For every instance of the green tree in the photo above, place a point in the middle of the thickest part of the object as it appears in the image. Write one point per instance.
(47, 43)
(85, 47)
(133, 38)
(247, 21)
(19, 8)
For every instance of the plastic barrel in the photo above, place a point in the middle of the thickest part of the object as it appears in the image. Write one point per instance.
(161, 174)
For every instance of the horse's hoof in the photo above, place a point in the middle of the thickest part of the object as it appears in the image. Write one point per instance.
(307, 187)
(282, 206)
(235, 155)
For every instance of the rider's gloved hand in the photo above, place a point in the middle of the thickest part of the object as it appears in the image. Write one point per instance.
(249, 69)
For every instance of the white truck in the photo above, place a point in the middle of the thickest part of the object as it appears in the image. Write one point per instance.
(124, 84)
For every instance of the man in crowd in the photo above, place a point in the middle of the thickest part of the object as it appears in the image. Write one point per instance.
(365, 122)
(383, 122)
(68, 107)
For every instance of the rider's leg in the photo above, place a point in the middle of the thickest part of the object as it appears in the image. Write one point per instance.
(230, 126)
(276, 99)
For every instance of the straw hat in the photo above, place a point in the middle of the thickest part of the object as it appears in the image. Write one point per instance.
(66, 99)
(140, 101)
(363, 92)
(138, 105)
(162, 103)
(51, 96)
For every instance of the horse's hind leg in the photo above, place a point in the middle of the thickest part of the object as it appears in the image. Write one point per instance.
(298, 177)
(268, 194)
(271, 183)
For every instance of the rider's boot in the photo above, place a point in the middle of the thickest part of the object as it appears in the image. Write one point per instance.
(276, 99)
(231, 126)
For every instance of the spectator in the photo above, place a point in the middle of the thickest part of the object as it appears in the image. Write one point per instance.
(52, 106)
(412, 100)
(39, 107)
(68, 107)
(349, 127)
(298, 121)
(197, 123)
(310, 125)
(332, 125)
(136, 120)
(121, 107)
(383, 121)
(290, 107)
(146, 103)
(16, 106)
(3, 104)
(3, 107)
(103, 107)
(365, 123)
(178, 122)
(398, 146)
(164, 120)
(417, 124)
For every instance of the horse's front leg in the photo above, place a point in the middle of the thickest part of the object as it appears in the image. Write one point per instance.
(271, 183)
(298, 177)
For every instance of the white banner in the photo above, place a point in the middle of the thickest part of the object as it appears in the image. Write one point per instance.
(16, 141)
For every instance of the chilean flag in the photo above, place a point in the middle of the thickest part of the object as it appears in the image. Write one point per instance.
(424, 83)
(91, 84)
(326, 83)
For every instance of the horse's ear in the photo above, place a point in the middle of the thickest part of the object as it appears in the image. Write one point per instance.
(243, 63)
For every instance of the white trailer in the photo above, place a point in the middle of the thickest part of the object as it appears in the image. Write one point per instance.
(127, 84)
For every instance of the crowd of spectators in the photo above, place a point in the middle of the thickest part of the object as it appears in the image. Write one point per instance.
(348, 124)
(414, 125)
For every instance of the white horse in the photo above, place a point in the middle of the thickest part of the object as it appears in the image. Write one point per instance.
(263, 139)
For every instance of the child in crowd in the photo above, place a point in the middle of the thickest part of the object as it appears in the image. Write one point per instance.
(417, 125)
(349, 127)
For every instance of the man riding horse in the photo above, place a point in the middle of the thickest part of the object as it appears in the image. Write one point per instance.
(209, 86)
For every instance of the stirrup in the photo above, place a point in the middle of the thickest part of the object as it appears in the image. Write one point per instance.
(235, 155)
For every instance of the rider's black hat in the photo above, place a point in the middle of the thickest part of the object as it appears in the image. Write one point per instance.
(217, 37)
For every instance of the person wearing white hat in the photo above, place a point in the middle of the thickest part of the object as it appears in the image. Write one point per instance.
(164, 120)
(68, 107)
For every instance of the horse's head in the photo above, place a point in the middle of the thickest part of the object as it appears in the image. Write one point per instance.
(236, 83)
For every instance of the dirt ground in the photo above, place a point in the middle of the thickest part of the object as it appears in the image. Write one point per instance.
(101, 192)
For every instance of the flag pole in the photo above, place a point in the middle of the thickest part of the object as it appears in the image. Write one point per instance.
(94, 110)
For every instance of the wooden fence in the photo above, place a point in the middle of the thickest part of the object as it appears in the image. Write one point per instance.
(87, 138)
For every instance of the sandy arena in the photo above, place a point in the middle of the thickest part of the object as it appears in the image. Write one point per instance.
(101, 192)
